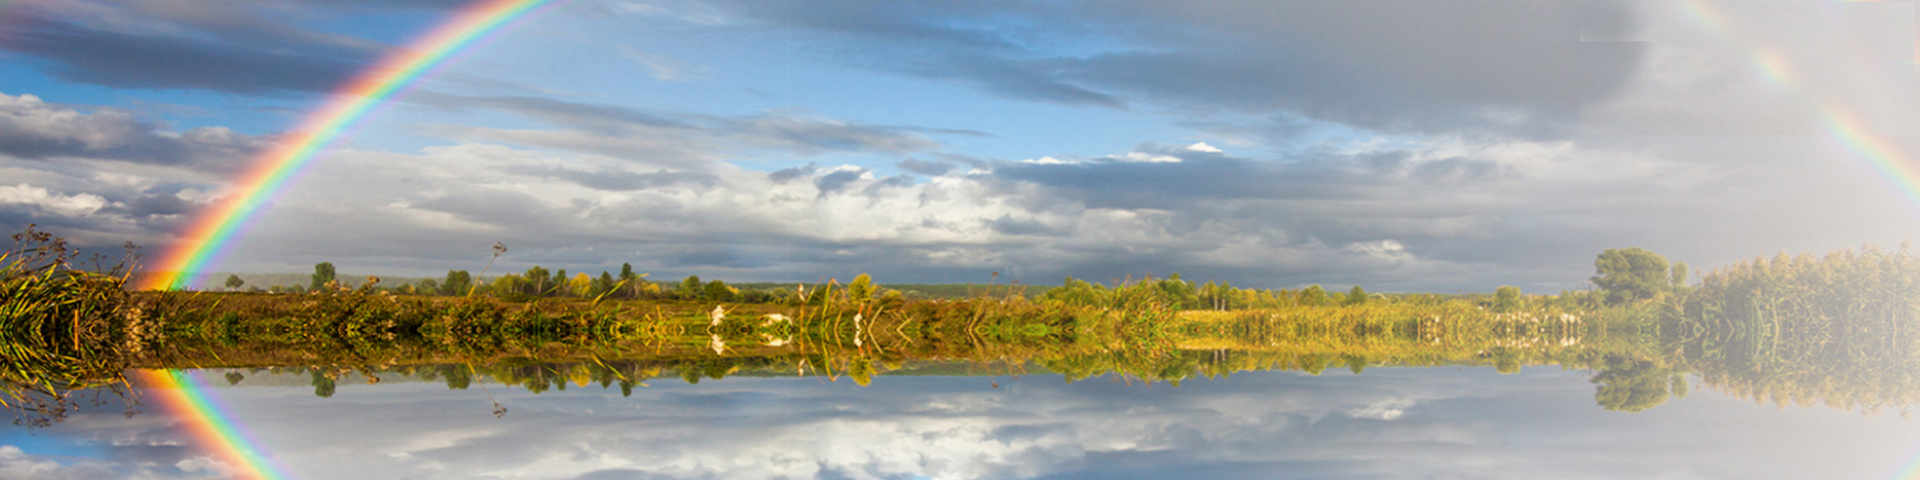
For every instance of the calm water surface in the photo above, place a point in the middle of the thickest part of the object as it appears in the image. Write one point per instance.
(1435, 422)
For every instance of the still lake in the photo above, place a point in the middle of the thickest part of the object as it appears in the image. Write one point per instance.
(1432, 422)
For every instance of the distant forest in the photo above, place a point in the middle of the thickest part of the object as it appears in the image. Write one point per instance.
(293, 282)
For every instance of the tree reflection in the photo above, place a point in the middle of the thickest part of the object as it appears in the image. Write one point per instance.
(1630, 384)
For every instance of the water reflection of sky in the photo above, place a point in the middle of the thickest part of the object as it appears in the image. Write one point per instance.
(1439, 423)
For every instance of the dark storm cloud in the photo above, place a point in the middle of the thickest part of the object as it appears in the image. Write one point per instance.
(1401, 65)
(33, 129)
(617, 180)
(88, 55)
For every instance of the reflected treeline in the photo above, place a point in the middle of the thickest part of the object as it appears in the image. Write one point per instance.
(1832, 331)
(1838, 330)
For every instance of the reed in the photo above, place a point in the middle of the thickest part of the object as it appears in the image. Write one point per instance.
(58, 327)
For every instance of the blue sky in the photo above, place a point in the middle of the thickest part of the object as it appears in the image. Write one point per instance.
(1396, 144)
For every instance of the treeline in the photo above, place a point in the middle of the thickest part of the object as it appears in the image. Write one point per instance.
(1172, 293)
(539, 282)
(1624, 276)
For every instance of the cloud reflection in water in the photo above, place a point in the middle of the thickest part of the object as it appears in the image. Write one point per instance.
(1386, 423)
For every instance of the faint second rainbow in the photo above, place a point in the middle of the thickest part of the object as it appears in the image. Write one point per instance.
(1893, 165)
(209, 424)
(207, 240)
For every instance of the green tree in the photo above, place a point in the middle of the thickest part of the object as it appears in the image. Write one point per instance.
(510, 284)
(862, 371)
(632, 281)
(1506, 360)
(581, 285)
(536, 280)
(459, 282)
(861, 289)
(1356, 363)
(323, 385)
(322, 274)
(1631, 274)
(1313, 363)
(717, 291)
(1356, 296)
(428, 286)
(234, 282)
(690, 288)
(1313, 296)
(603, 285)
(1632, 385)
(457, 377)
(1506, 299)
(1078, 292)
(1179, 291)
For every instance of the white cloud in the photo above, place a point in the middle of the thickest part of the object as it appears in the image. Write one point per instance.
(1144, 157)
(19, 465)
(1384, 410)
(31, 128)
(1383, 249)
(1203, 147)
(16, 464)
(75, 205)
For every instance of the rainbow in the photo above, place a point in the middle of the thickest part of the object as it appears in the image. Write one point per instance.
(183, 396)
(1892, 164)
(211, 235)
